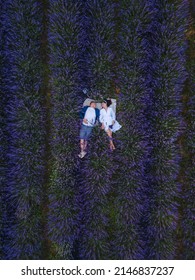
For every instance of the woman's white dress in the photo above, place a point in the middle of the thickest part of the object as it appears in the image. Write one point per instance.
(107, 117)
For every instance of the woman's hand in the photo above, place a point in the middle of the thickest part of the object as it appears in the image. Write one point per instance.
(102, 127)
(85, 121)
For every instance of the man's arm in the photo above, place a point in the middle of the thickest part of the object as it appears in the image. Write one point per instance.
(97, 112)
(82, 114)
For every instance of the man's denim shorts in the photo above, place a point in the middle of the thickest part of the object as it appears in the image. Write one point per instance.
(85, 132)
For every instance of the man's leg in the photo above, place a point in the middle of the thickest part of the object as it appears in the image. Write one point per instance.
(82, 138)
(84, 135)
(87, 136)
(85, 145)
(82, 145)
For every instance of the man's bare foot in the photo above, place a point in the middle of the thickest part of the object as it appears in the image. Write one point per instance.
(82, 154)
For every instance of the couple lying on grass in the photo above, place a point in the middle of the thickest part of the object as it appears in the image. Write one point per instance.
(106, 116)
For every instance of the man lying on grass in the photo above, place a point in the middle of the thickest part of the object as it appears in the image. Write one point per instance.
(89, 114)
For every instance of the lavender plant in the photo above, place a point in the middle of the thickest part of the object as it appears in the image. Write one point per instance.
(168, 76)
(64, 29)
(188, 178)
(25, 128)
(3, 138)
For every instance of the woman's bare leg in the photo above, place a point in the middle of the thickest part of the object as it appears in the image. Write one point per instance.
(109, 133)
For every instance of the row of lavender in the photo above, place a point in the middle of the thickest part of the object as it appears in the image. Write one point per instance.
(129, 180)
(64, 49)
(23, 112)
(3, 142)
(188, 148)
(167, 77)
(109, 206)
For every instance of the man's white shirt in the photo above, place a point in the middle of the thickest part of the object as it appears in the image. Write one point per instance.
(90, 115)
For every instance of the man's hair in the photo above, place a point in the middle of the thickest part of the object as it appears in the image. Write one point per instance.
(91, 102)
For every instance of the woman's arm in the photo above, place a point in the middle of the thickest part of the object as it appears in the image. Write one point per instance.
(101, 118)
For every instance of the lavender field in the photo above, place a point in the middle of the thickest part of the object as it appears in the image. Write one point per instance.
(134, 203)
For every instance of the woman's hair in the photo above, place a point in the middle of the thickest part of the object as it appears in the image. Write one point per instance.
(107, 101)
